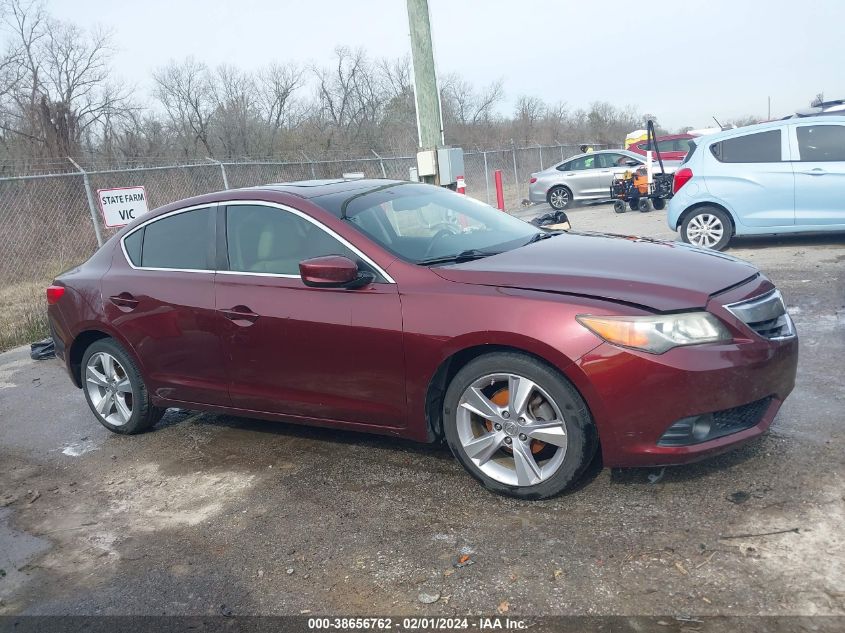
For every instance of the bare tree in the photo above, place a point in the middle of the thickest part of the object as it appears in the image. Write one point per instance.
(526, 117)
(187, 94)
(275, 88)
(467, 105)
(56, 90)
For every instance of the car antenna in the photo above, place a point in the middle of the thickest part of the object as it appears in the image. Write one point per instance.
(721, 127)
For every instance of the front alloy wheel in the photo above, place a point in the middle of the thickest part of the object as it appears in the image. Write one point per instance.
(511, 429)
(505, 422)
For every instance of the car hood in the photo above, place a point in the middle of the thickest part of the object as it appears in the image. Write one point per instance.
(662, 276)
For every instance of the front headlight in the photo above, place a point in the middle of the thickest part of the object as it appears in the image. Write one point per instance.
(657, 334)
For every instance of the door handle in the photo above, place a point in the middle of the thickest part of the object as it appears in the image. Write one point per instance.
(818, 171)
(240, 315)
(124, 301)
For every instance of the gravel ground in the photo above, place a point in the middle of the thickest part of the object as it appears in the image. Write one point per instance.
(212, 514)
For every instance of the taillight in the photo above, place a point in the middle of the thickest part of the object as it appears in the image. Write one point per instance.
(532, 180)
(54, 293)
(681, 178)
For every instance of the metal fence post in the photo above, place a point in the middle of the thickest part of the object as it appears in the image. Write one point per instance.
(515, 171)
(557, 142)
(222, 171)
(311, 162)
(540, 152)
(486, 177)
(91, 206)
(381, 162)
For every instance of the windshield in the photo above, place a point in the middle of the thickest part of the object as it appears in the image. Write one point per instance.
(428, 224)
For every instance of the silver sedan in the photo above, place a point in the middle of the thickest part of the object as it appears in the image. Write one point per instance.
(583, 177)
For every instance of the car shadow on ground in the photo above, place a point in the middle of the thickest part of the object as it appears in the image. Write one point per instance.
(766, 241)
(440, 451)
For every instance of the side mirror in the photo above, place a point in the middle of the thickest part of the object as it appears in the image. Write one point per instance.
(333, 271)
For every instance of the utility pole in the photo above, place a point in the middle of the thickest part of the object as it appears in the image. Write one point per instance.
(426, 95)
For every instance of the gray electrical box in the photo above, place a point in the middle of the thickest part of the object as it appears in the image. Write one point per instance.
(450, 164)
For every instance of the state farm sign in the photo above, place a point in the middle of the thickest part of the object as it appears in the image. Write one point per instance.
(122, 205)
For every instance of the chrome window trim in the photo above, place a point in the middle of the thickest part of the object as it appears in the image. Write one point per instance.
(229, 203)
(208, 205)
(740, 308)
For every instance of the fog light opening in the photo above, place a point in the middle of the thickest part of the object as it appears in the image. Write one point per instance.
(701, 427)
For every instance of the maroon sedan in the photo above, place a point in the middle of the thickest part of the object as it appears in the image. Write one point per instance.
(409, 310)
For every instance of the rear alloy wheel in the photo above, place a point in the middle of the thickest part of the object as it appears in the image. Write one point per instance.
(559, 198)
(115, 390)
(707, 227)
(518, 426)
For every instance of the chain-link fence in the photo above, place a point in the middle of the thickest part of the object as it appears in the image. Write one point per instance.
(49, 222)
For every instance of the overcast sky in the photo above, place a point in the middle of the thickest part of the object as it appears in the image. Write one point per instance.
(681, 60)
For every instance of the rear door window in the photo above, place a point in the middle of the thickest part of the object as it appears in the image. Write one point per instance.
(762, 147)
(821, 143)
(184, 241)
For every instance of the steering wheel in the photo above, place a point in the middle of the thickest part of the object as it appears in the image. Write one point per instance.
(435, 238)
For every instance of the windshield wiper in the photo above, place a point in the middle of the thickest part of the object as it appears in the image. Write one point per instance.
(541, 236)
(463, 256)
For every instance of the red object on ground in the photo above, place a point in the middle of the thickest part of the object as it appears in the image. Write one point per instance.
(462, 185)
(500, 193)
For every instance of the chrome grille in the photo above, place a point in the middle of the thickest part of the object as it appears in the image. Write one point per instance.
(766, 315)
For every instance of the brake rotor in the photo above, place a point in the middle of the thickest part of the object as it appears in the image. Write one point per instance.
(501, 398)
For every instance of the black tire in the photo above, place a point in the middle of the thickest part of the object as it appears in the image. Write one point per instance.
(634, 203)
(554, 200)
(659, 204)
(619, 206)
(582, 435)
(644, 206)
(702, 214)
(144, 414)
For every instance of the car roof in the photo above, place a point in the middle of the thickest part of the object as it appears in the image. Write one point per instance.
(769, 125)
(604, 151)
(315, 188)
(667, 137)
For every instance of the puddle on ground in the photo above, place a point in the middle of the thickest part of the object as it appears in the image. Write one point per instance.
(16, 550)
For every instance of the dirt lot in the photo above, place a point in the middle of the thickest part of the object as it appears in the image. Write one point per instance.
(211, 514)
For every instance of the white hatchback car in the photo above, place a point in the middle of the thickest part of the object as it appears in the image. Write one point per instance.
(779, 177)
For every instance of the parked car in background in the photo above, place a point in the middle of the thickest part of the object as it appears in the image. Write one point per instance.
(835, 107)
(583, 177)
(778, 177)
(673, 147)
(412, 311)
